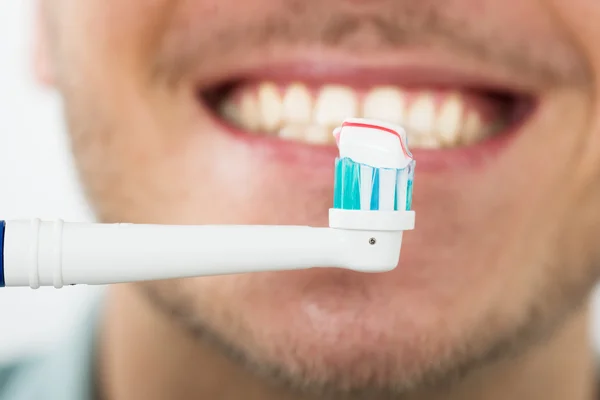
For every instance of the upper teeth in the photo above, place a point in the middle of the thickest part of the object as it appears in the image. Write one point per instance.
(296, 112)
(387, 104)
(334, 104)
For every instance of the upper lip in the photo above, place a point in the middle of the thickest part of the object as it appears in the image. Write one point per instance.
(419, 69)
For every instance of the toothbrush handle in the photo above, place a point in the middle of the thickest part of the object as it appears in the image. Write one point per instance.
(40, 253)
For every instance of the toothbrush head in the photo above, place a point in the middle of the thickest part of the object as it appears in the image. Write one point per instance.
(373, 191)
(375, 168)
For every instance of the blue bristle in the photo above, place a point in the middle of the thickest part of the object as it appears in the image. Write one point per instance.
(351, 188)
(409, 190)
(409, 195)
(338, 184)
(347, 185)
(375, 191)
(396, 191)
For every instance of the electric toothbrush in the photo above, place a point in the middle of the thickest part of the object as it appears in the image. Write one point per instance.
(372, 201)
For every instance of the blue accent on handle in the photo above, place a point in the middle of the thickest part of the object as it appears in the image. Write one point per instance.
(2, 226)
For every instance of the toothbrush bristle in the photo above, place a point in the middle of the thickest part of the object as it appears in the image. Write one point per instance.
(362, 187)
(402, 190)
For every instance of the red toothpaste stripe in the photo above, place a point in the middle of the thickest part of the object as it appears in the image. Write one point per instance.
(381, 128)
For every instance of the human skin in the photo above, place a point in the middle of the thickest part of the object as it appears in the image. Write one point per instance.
(492, 291)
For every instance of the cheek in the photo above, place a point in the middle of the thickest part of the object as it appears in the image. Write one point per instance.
(189, 174)
(581, 17)
(120, 30)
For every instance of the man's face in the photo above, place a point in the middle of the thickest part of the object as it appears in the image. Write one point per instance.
(221, 111)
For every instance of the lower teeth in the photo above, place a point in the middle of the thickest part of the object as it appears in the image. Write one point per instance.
(322, 135)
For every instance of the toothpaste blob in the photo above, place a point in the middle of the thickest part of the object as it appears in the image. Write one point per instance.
(375, 169)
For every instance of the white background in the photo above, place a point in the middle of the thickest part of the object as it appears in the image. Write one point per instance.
(37, 180)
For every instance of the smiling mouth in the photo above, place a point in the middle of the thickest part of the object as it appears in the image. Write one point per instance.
(438, 115)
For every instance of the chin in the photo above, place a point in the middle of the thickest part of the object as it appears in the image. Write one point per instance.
(341, 331)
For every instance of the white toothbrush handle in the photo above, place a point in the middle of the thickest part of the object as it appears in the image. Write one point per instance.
(40, 253)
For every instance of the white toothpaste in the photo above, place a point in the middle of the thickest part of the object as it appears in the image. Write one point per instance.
(374, 143)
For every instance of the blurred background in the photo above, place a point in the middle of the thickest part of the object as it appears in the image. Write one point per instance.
(37, 180)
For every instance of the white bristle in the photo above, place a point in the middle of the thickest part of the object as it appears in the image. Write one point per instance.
(387, 189)
(366, 184)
